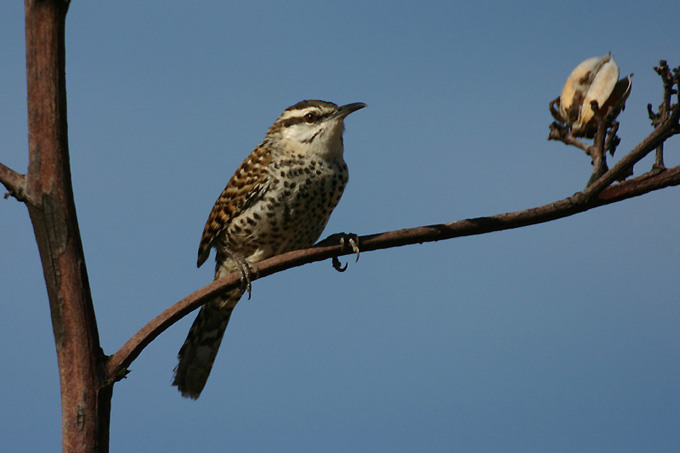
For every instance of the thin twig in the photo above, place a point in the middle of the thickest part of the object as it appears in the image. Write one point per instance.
(669, 80)
(598, 151)
(560, 133)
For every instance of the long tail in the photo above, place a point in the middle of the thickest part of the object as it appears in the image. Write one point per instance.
(199, 350)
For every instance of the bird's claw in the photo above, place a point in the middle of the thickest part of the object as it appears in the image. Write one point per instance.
(337, 266)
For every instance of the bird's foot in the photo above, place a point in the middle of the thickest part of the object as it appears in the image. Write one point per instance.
(347, 241)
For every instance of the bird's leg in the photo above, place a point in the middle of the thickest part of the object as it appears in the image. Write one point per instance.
(247, 270)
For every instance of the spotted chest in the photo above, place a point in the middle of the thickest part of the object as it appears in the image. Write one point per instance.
(290, 209)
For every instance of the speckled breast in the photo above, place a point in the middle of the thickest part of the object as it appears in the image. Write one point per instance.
(293, 211)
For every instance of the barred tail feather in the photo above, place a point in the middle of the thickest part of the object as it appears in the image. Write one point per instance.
(197, 354)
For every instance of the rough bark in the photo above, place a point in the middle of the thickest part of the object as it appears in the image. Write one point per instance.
(48, 193)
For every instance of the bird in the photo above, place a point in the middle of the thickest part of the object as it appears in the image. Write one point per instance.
(279, 199)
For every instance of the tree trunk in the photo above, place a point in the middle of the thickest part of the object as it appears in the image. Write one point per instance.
(85, 402)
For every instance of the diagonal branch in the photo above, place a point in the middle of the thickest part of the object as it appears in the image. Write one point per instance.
(625, 165)
(14, 182)
(117, 364)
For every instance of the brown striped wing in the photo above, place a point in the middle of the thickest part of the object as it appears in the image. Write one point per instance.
(248, 184)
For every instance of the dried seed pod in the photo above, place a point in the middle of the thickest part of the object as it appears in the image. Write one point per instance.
(600, 89)
(576, 87)
(595, 79)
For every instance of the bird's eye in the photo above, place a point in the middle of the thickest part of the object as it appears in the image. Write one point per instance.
(310, 117)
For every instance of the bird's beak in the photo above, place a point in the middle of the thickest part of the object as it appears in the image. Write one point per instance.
(345, 110)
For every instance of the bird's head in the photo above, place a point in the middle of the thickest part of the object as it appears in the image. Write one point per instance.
(312, 127)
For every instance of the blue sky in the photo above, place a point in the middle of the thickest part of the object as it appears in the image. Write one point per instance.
(558, 337)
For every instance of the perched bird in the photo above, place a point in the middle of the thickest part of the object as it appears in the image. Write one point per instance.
(279, 200)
